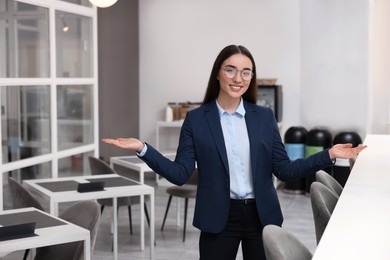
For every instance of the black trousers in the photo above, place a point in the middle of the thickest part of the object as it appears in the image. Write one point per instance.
(244, 227)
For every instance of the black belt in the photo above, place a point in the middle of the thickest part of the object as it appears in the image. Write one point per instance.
(243, 202)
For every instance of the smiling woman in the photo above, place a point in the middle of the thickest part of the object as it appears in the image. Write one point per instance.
(237, 148)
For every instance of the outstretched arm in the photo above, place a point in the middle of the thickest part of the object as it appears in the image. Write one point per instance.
(345, 151)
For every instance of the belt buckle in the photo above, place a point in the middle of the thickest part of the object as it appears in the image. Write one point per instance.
(247, 202)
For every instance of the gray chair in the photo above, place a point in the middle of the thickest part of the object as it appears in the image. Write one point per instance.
(98, 166)
(22, 198)
(279, 244)
(330, 182)
(323, 202)
(85, 214)
(186, 191)
(352, 162)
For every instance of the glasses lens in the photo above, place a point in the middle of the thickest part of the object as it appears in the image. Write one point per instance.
(230, 72)
(246, 74)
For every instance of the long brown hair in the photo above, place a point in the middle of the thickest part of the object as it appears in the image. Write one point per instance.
(212, 90)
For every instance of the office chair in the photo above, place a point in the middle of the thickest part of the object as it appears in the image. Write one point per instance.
(22, 198)
(98, 166)
(323, 202)
(279, 244)
(186, 191)
(85, 214)
(330, 182)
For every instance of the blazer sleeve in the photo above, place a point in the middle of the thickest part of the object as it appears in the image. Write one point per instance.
(178, 171)
(285, 169)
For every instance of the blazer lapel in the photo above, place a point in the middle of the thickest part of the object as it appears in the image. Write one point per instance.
(213, 120)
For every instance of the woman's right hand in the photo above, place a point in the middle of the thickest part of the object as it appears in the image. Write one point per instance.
(126, 143)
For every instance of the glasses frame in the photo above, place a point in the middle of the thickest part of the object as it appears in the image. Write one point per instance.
(236, 71)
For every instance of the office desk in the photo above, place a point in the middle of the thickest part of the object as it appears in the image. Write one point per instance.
(65, 190)
(359, 227)
(136, 164)
(49, 230)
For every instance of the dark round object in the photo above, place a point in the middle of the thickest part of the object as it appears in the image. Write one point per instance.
(319, 137)
(347, 137)
(294, 139)
(317, 140)
(295, 135)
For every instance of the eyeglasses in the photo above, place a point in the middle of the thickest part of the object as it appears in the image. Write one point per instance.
(246, 74)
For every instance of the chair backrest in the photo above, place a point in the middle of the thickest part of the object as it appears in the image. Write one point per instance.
(85, 214)
(279, 244)
(352, 162)
(330, 182)
(323, 202)
(21, 197)
(98, 166)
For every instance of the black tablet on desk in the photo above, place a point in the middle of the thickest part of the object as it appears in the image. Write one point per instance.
(91, 186)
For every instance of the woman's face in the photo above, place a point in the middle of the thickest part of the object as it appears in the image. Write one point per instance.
(234, 77)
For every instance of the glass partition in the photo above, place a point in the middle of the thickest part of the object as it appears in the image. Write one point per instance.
(74, 111)
(25, 47)
(46, 91)
(25, 125)
(74, 45)
(74, 165)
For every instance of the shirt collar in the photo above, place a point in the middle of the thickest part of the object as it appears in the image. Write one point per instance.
(239, 111)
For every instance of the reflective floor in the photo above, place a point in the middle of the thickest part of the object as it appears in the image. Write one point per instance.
(169, 246)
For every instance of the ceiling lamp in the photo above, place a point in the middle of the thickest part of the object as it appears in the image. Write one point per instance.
(103, 3)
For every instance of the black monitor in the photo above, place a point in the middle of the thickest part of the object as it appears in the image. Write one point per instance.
(271, 96)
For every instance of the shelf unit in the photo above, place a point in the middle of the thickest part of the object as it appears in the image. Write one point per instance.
(175, 126)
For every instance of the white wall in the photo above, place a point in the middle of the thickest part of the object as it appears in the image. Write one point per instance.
(318, 49)
(179, 40)
(335, 64)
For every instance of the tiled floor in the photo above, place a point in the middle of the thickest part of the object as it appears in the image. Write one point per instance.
(169, 246)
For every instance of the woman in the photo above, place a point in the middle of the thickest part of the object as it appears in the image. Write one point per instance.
(237, 147)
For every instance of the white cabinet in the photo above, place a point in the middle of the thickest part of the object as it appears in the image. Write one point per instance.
(167, 135)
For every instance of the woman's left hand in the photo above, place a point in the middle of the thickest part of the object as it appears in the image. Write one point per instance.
(345, 151)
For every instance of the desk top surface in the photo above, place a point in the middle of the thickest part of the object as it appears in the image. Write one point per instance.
(71, 185)
(65, 188)
(49, 230)
(359, 227)
(42, 220)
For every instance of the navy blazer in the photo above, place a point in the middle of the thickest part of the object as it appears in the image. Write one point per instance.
(201, 141)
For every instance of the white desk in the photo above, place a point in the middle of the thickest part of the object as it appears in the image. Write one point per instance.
(50, 231)
(359, 227)
(58, 190)
(136, 164)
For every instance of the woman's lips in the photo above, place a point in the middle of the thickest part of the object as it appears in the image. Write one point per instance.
(236, 87)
